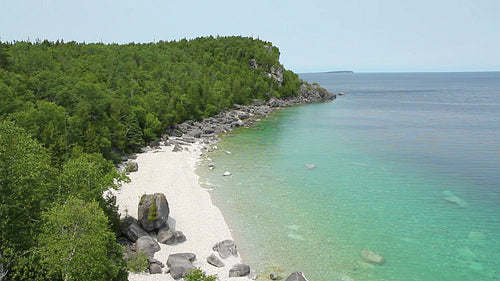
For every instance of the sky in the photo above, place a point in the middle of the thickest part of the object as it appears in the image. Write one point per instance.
(312, 35)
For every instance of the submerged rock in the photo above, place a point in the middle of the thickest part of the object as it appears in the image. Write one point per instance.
(296, 276)
(372, 257)
(452, 198)
(310, 166)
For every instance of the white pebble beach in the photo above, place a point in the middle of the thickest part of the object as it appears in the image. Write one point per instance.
(191, 209)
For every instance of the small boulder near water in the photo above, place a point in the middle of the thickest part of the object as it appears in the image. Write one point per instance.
(226, 248)
(297, 276)
(372, 257)
(215, 261)
(153, 211)
(239, 270)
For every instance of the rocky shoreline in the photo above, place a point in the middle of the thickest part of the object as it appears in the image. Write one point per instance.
(197, 137)
(208, 129)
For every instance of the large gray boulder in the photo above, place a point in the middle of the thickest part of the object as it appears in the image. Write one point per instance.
(226, 248)
(131, 229)
(239, 270)
(180, 264)
(170, 236)
(153, 211)
(148, 245)
(297, 276)
(372, 257)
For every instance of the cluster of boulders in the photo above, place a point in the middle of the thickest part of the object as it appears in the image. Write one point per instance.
(151, 228)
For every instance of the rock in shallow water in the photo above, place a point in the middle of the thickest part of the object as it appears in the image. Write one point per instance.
(297, 276)
(372, 257)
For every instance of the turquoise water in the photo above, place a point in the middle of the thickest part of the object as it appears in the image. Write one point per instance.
(386, 155)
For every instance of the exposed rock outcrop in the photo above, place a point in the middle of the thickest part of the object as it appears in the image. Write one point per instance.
(153, 211)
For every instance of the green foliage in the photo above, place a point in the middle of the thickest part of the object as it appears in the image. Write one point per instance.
(76, 243)
(199, 275)
(67, 109)
(107, 98)
(26, 178)
(137, 262)
(152, 211)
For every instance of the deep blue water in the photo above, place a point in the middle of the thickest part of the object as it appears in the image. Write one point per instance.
(387, 155)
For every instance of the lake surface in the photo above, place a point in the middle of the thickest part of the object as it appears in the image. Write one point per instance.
(405, 164)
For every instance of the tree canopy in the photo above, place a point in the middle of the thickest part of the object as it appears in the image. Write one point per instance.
(112, 99)
(68, 110)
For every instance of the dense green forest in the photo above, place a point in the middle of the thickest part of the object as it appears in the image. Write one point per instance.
(69, 110)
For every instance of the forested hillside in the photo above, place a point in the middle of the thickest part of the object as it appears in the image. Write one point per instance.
(100, 97)
(68, 110)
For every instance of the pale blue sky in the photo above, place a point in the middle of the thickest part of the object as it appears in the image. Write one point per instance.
(313, 35)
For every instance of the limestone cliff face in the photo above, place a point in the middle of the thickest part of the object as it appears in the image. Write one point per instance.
(277, 74)
(274, 72)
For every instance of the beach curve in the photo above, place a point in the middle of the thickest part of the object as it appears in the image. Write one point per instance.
(191, 208)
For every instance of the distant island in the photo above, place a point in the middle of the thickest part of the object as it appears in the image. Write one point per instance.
(340, 71)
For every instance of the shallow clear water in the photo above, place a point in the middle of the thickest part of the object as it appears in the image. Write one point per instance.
(386, 156)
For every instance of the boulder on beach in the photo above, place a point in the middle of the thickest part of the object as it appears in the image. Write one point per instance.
(296, 276)
(131, 229)
(372, 257)
(239, 270)
(180, 264)
(215, 261)
(226, 248)
(170, 236)
(148, 245)
(155, 266)
(153, 211)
